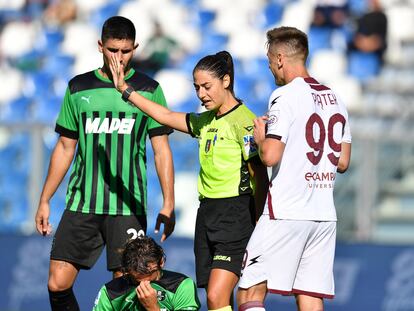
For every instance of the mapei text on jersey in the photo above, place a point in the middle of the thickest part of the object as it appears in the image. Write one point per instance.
(109, 125)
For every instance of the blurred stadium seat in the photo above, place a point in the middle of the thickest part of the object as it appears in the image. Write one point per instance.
(35, 70)
(363, 66)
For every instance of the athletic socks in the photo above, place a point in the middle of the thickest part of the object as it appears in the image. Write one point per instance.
(252, 306)
(63, 300)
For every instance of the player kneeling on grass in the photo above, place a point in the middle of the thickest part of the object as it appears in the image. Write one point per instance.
(145, 285)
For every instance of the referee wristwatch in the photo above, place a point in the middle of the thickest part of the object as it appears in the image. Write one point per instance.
(127, 92)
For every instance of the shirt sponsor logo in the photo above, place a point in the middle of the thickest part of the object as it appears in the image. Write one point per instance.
(160, 295)
(214, 130)
(273, 117)
(254, 260)
(328, 176)
(109, 126)
(97, 299)
(249, 144)
(274, 101)
(87, 99)
(320, 180)
(222, 258)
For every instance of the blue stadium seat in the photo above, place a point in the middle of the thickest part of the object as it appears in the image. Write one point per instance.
(13, 212)
(15, 157)
(244, 88)
(54, 37)
(363, 66)
(57, 64)
(47, 109)
(358, 7)
(13, 189)
(256, 67)
(7, 15)
(19, 109)
(212, 42)
(99, 16)
(205, 17)
(319, 38)
(187, 63)
(42, 82)
(273, 13)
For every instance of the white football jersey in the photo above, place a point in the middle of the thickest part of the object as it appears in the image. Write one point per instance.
(313, 122)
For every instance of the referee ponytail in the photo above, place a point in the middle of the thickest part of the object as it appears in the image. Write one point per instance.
(219, 65)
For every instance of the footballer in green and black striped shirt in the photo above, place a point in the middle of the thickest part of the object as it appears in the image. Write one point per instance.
(105, 138)
(109, 172)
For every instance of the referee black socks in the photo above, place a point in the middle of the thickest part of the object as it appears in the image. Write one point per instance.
(63, 300)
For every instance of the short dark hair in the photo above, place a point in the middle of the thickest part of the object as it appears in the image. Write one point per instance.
(218, 65)
(139, 253)
(295, 40)
(118, 27)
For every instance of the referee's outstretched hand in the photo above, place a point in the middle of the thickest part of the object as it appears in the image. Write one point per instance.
(168, 221)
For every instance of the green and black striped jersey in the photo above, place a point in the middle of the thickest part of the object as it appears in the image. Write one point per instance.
(109, 171)
(175, 291)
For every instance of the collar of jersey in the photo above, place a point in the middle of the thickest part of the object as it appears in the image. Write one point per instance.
(231, 110)
(100, 77)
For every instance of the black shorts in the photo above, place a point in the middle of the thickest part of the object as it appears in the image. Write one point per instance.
(80, 238)
(223, 228)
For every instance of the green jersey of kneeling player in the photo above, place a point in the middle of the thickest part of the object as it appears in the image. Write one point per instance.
(145, 285)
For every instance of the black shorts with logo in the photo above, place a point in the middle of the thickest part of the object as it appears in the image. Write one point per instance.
(223, 229)
(80, 238)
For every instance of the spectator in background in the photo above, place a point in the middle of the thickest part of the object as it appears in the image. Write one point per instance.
(145, 285)
(330, 13)
(371, 32)
(60, 12)
(159, 52)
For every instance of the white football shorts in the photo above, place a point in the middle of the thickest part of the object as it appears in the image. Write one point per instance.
(292, 256)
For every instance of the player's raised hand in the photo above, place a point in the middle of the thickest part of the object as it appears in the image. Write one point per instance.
(147, 296)
(42, 219)
(166, 217)
(118, 74)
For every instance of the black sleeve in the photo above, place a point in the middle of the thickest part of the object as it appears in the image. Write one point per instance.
(62, 131)
(159, 131)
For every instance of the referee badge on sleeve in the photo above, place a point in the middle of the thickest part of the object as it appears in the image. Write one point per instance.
(249, 144)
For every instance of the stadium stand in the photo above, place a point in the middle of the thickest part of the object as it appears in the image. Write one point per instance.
(375, 199)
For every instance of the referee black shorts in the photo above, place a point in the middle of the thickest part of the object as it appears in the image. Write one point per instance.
(223, 228)
(80, 238)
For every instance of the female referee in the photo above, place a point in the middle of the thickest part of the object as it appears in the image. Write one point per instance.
(232, 180)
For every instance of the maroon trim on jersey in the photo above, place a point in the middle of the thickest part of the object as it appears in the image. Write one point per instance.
(280, 292)
(299, 292)
(251, 304)
(273, 136)
(312, 294)
(269, 203)
(315, 84)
